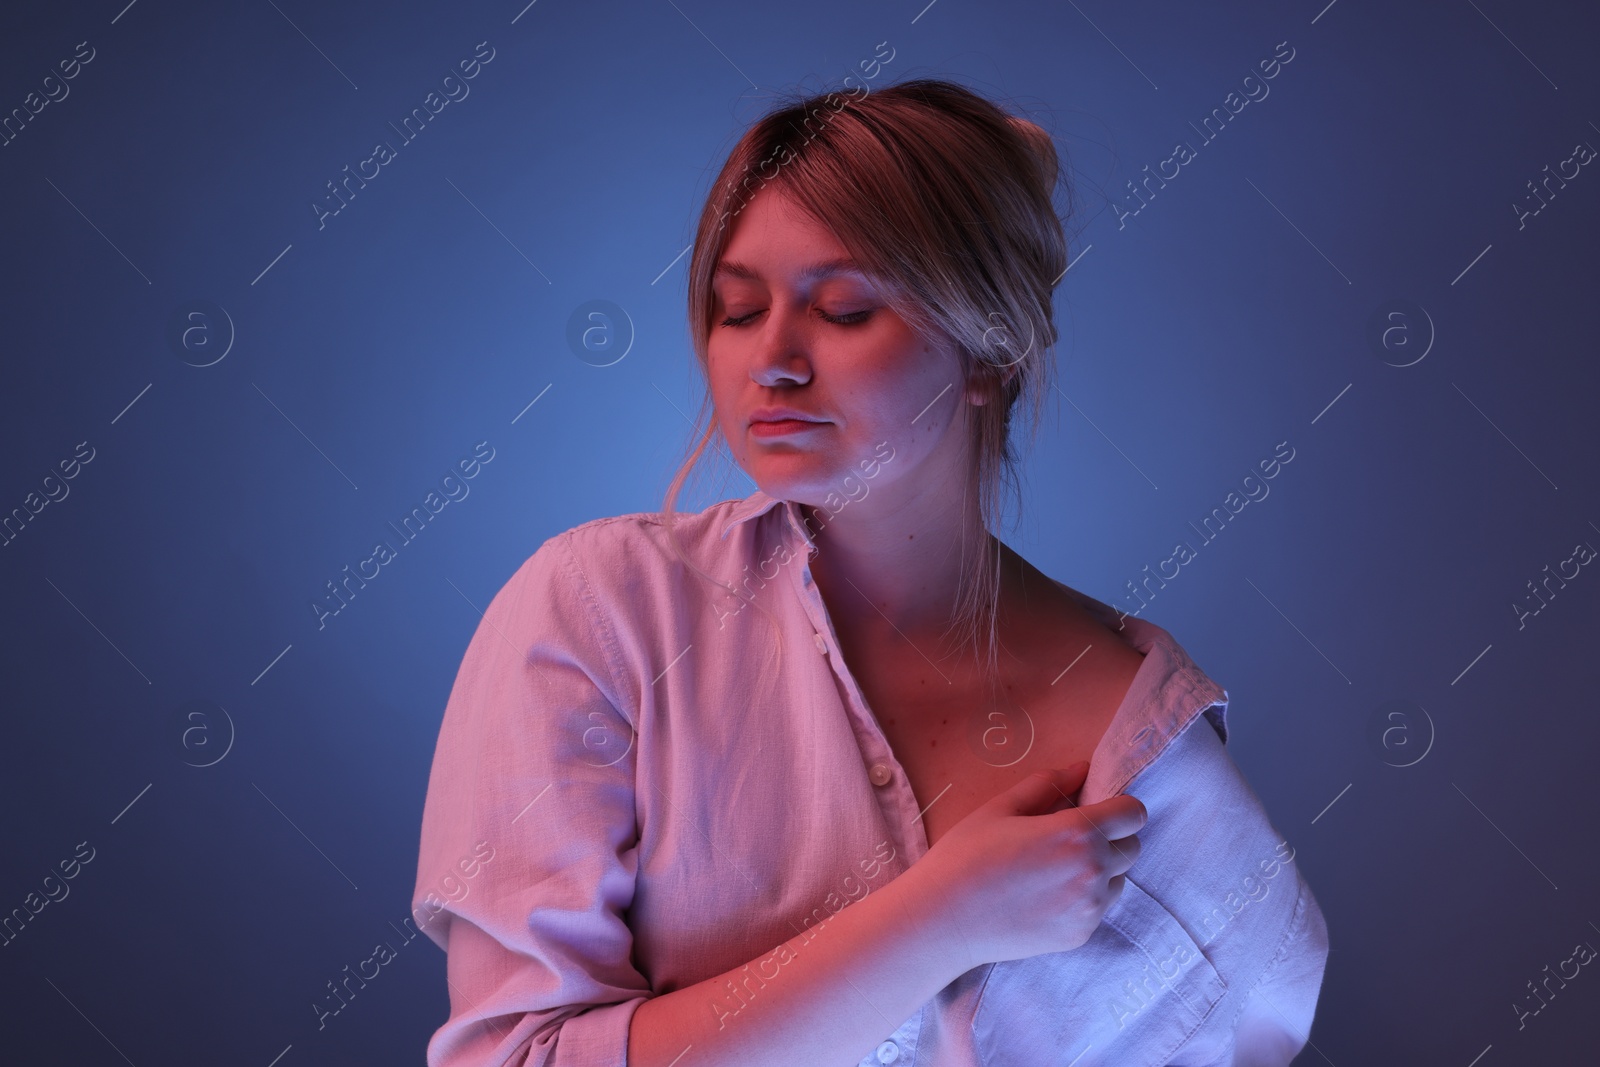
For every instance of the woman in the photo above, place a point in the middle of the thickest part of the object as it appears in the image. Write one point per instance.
(829, 775)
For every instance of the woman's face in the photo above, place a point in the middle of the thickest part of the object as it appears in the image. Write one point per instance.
(795, 326)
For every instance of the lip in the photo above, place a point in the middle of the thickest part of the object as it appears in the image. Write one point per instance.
(783, 427)
(782, 422)
(775, 414)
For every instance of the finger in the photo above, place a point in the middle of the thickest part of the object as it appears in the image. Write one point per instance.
(1114, 817)
(1069, 780)
(1124, 851)
(1072, 778)
(1041, 791)
(1114, 889)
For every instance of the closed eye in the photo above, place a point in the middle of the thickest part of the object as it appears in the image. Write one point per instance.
(849, 319)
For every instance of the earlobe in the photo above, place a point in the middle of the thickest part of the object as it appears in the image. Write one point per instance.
(982, 389)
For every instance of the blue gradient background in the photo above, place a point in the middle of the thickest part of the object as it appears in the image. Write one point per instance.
(375, 352)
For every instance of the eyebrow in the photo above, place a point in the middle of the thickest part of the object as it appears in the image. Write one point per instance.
(844, 265)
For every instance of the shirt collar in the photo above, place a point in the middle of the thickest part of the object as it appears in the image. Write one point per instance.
(758, 504)
(751, 507)
(1168, 692)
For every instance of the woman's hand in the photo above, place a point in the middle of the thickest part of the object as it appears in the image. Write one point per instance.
(1029, 872)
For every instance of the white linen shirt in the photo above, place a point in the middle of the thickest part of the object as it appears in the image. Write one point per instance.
(663, 794)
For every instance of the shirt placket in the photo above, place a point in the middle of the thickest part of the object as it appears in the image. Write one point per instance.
(899, 1048)
(895, 798)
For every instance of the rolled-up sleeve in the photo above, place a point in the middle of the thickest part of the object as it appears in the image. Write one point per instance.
(529, 836)
(1275, 1023)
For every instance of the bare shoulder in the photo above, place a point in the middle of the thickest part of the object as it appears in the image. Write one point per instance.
(1054, 623)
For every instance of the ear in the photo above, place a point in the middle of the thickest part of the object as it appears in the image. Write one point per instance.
(979, 390)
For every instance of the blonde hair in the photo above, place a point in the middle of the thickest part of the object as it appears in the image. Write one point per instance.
(945, 199)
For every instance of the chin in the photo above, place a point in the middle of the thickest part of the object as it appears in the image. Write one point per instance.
(820, 478)
(803, 478)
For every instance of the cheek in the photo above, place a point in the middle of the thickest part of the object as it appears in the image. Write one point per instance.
(892, 373)
(724, 391)
(714, 367)
(921, 390)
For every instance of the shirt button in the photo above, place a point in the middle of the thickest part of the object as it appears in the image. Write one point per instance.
(888, 1052)
(822, 646)
(880, 775)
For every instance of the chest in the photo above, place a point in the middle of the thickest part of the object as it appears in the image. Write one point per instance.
(959, 747)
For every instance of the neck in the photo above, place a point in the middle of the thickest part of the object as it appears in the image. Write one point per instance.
(890, 565)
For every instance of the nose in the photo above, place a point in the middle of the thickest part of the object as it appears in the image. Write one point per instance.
(780, 355)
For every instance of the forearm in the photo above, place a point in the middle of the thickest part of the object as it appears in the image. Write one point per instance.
(823, 998)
